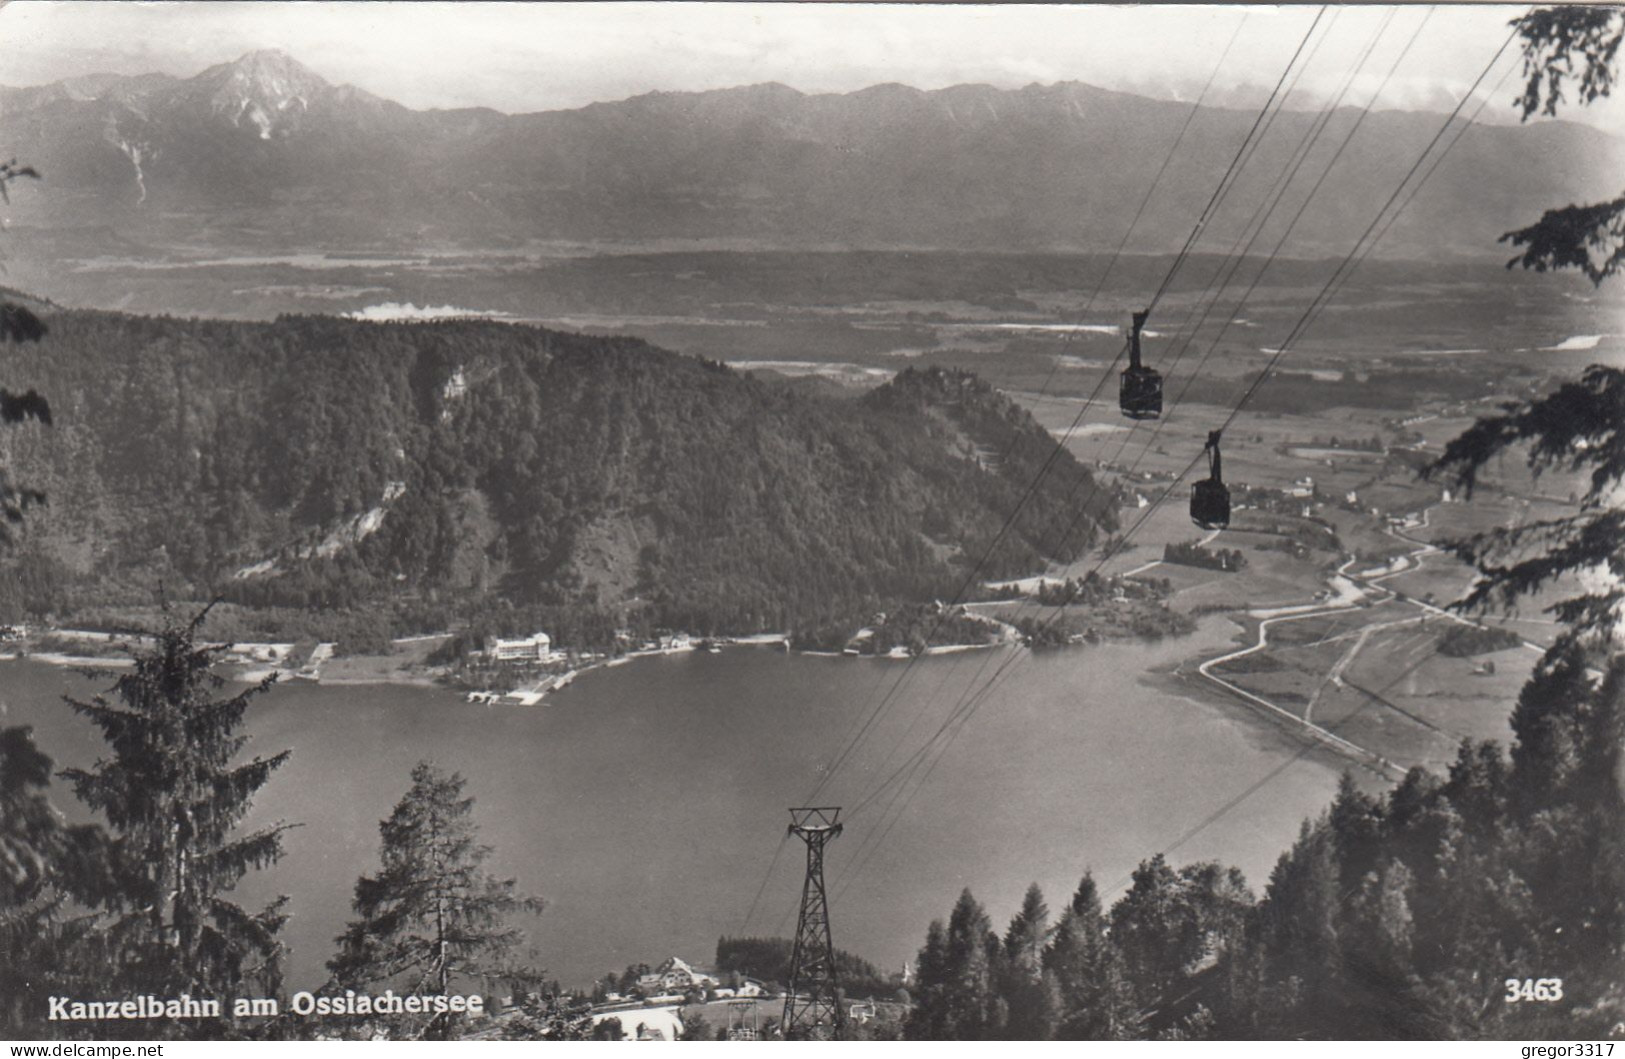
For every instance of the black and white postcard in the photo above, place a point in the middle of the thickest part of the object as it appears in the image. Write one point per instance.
(755, 521)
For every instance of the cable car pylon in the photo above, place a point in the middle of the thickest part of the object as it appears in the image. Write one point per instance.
(812, 1008)
(1139, 392)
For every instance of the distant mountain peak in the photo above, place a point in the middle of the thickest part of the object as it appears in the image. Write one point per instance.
(261, 90)
(272, 62)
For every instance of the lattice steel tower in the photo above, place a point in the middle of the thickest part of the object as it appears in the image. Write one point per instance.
(812, 1009)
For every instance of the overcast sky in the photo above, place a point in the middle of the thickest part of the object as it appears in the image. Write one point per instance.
(541, 56)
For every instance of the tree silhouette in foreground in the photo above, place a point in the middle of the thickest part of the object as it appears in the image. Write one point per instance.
(433, 914)
(957, 998)
(1589, 238)
(173, 799)
(1580, 426)
(49, 870)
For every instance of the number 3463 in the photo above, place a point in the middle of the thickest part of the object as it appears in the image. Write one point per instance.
(1544, 990)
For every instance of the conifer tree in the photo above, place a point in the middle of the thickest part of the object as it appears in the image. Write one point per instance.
(432, 914)
(958, 999)
(1028, 991)
(173, 798)
(1155, 929)
(927, 1019)
(45, 866)
(1299, 926)
(1095, 997)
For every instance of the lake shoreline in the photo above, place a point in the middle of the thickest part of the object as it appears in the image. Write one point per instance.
(572, 821)
(1169, 679)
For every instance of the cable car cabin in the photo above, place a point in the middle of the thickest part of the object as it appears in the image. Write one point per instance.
(1210, 504)
(1210, 498)
(1139, 394)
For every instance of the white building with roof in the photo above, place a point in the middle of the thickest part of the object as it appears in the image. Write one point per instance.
(537, 647)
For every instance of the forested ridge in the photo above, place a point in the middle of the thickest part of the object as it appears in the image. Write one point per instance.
(438, 471)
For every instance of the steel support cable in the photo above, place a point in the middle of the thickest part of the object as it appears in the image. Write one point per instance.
(1303, 207)
(1183, 328)
(898, 804)
(1244, 153)
(1100, 283)
(1360, 253)
(1099, 286)
(1360, 249)
(1226, 184)
(1306, 145)
(918, 758)
(1225, 180)
(1370, 698)
(1278, 191)
(959, 594)
(880, 707)
(1110, 553)
(1461, 130)
(1344, 267)
(1145, 200)
(1228, 807)
(1271, 200)
(784, 840)
(1233, 803)
(1265, 211)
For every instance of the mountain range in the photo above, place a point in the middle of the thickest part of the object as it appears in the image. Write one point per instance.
(262, 152)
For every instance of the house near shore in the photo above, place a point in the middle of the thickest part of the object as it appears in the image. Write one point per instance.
(674, 976)
(537, 647)
(261, 652)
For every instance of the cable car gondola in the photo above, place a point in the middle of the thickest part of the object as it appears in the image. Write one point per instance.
(1140, 393)
(1210, 499)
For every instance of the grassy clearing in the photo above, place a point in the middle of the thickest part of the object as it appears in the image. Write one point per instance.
(406, 663)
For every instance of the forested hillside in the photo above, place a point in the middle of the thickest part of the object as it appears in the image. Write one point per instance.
(465, 468)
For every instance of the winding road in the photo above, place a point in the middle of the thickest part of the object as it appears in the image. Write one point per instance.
(1352, 590)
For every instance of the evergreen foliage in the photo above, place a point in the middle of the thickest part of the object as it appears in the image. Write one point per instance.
(433, 914)
(1579, 426)
(1190, 553)
(49, 871)
(1465, 641)
(958, 996)
(768, 960)
(173, 795)
(1399, 916)
(1028, 988)
(1589, 238)
(1095, 999)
